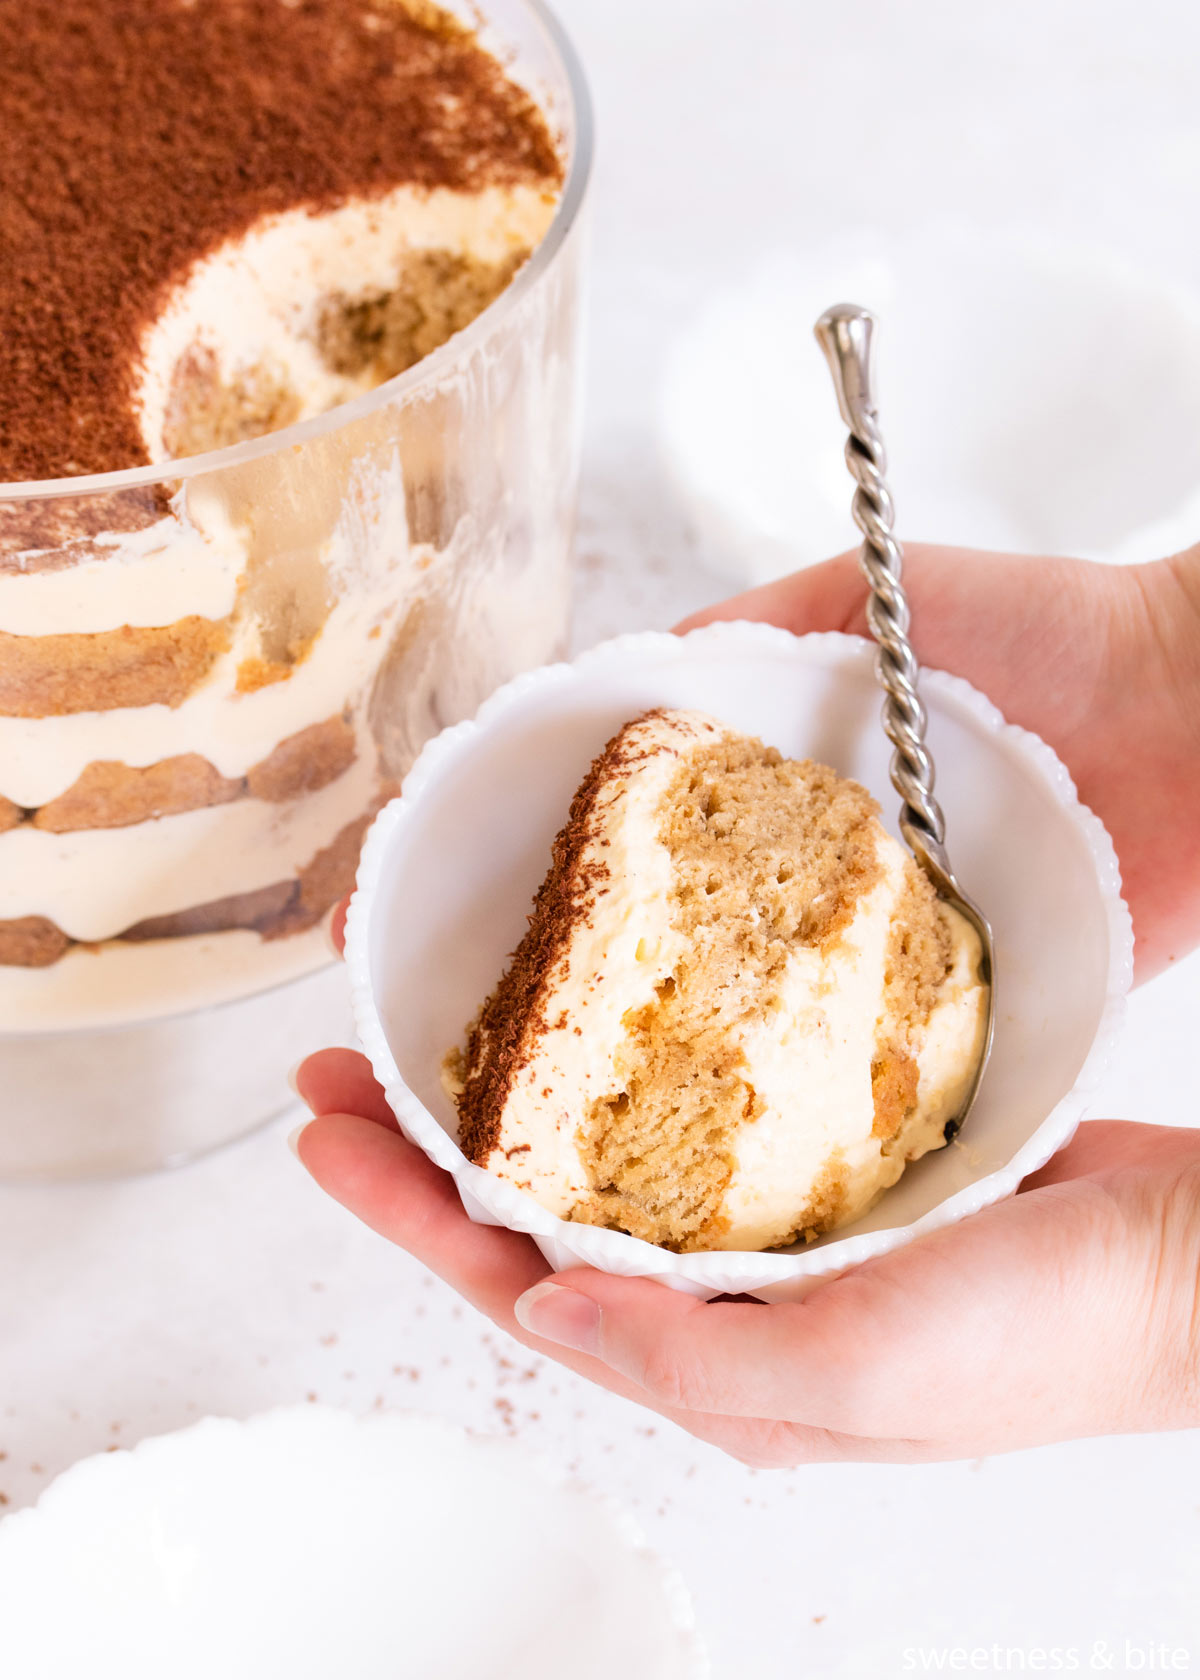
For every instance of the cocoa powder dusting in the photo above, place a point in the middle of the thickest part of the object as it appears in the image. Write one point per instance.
(136, 138)
(500, 1041)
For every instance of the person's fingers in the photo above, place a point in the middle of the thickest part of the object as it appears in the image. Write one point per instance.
(708, 1360)
(784, 1361)
(943, 1347)
(337, 926)
(1018, 1324)
(720, 1368)
(396, 1190)
(831, 596)
(750, 1361)
(341, 1082)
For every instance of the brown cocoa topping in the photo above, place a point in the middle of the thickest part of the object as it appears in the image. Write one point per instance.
(135, 139)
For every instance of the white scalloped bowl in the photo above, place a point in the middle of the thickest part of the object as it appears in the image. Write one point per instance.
(311, 1543)
(450, 869)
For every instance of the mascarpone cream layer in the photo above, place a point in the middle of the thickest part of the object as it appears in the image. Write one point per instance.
(42, 757)
(94, 883)
(255, 302)
(168, 571)
(114, 984)
(810, 1060)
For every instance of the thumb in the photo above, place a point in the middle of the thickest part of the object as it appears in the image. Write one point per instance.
(831, 596)
(732, 1358)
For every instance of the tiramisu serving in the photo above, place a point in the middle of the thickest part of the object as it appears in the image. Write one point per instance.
(739, 1010)
(219, 217)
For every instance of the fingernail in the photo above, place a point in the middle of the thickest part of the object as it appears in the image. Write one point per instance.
(560, 1314)
(293, 1141)
(293, 1074)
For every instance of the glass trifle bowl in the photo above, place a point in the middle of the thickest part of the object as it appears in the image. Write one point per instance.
(215, 669)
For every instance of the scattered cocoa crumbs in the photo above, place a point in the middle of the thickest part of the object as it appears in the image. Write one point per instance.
(135, 138)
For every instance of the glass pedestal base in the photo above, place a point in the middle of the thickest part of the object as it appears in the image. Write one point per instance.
(132, 1098)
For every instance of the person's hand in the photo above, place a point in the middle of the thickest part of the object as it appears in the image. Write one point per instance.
(1071, 1309)
(1103, 662)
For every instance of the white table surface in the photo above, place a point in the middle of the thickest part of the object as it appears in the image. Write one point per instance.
(232, 1285)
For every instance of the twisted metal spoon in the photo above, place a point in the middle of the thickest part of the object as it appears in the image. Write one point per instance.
(844, 334)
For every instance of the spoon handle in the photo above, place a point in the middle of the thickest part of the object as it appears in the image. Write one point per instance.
(845, 334)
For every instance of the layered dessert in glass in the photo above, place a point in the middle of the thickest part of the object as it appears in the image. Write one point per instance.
(288, 324)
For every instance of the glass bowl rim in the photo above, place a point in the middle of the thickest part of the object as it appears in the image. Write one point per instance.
(425, 372)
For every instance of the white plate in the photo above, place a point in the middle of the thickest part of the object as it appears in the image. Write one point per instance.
(309, 1543)
(450, 869)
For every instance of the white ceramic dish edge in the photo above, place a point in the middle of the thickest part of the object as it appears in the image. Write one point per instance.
(490, 1201)
(98, 1473)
